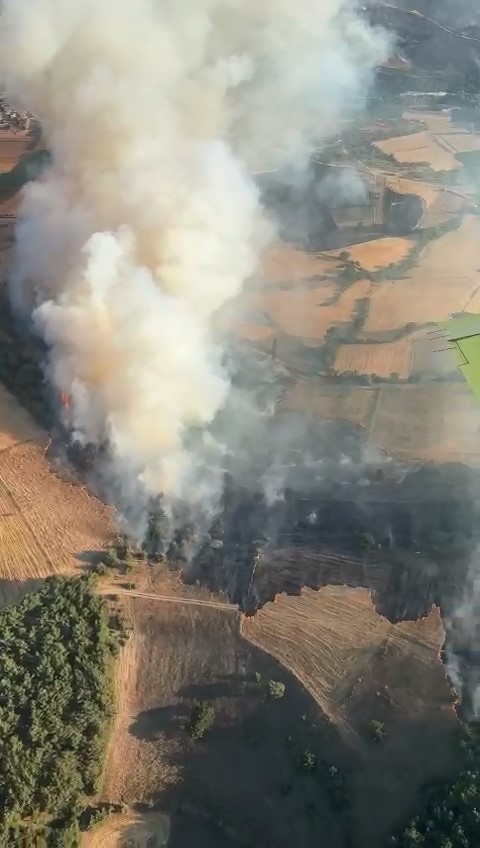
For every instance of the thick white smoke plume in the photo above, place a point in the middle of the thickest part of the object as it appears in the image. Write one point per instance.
(156, 112)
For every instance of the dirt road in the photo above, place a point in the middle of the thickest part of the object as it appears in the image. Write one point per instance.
(172, 599)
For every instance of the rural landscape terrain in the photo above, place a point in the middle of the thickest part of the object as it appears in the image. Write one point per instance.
(309, 676)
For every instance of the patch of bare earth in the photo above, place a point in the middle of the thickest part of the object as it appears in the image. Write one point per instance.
(360, 668)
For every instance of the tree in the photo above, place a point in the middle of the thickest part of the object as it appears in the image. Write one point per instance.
(275, 689)
(449, 814)
(307, 761)
(202, 718)
(110, 558)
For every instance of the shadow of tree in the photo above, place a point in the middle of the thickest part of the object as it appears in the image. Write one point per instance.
(170, 720)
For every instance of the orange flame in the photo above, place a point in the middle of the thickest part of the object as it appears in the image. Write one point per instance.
(66, 401)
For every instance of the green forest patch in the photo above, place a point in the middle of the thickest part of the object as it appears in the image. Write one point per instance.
(57, 654)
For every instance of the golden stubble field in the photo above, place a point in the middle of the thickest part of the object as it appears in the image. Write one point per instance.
(381, 359)
(446, 279)
(380, 252)
(46, 523)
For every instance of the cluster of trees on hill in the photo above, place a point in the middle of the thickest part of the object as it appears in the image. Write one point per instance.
(56, 702)
(449, 816)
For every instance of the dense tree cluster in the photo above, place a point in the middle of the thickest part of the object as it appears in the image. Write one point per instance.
(450, 814)
(56, 676)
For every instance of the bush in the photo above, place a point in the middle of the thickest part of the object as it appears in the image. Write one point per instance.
(101, 569)
(110, 558)
(275, 689)
(201, 719)
(307, 761)
(377, 731)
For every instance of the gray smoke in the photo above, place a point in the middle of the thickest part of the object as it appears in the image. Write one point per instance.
(148, 222)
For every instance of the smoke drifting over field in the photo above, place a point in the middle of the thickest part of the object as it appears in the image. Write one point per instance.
(148, 222)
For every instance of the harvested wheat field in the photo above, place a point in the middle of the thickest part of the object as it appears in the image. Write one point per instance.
(289, 264)
(380, 252)
(442, 282)
(16, 425)
(360, 668)
(438, 422)
(130, 830)
(12, 146)
(420, 148)
(381, 359)
(180, 652)
(64, 519)
(435, 122)
(308, 313)
(46, 524)
(461, 141)
(313, 395)
(328, 638)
